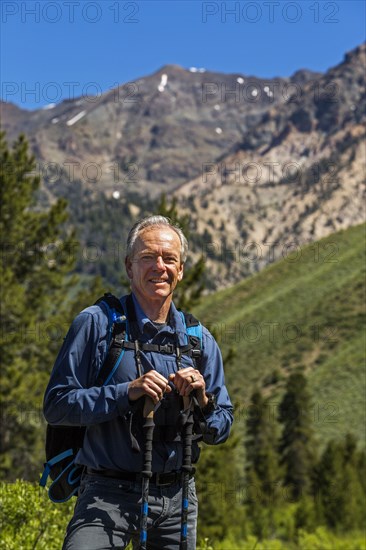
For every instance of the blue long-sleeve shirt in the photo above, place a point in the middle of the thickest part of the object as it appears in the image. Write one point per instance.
(72, 398)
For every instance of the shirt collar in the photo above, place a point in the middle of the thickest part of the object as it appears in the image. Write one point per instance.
(175, 323)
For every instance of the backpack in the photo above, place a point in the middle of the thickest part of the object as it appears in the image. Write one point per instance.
(64, 442)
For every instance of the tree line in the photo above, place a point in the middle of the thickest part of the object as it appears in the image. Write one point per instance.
(288, 484)
(285, 468)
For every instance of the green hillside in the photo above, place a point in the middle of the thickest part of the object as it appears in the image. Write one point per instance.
(307, 311)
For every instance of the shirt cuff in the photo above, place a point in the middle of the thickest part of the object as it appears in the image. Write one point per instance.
(123, 402)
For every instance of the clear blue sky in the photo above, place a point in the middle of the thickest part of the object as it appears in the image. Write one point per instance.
(51, 50)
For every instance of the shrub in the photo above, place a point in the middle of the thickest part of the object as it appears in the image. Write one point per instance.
(28, 519)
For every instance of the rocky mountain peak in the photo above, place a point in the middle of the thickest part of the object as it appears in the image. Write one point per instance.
(249, 159)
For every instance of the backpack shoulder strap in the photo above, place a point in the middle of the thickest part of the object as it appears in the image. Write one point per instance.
(115, 309)
(117, 333)
(193, 326)
(194, 335)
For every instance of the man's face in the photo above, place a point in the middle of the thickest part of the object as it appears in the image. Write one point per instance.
(155, 267)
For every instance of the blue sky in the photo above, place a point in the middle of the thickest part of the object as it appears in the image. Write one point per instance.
(52, 50)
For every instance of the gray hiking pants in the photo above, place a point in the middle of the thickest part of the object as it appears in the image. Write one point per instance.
(107, 515)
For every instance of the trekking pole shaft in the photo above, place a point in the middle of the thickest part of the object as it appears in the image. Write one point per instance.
(146, 471)
(187, 469)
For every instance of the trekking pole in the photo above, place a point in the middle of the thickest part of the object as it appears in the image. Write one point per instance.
(186, 468)
(146, 472)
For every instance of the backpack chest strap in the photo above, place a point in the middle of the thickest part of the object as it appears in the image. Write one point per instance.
(168, 349)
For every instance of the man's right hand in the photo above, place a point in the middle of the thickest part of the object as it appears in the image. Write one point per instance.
(152, 384)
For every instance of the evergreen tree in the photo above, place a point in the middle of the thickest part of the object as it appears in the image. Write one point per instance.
(37, 254)
(255, 504)
(360, 461)
(306, 517)
(262, 465)
(219, 490)
(340, 494)
(297, 450)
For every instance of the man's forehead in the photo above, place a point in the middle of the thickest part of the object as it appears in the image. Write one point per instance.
(153, 237)
(158, 235)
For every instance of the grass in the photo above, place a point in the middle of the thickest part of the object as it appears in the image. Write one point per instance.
(305, 312)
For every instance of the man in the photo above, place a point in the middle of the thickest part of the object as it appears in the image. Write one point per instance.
(107, 511)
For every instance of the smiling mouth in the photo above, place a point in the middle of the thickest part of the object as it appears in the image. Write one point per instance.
(158, 281)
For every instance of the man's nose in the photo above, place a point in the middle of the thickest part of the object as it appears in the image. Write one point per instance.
(160, 262)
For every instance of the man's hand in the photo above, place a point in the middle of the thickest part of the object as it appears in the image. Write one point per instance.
(187, 380)
(152, 384)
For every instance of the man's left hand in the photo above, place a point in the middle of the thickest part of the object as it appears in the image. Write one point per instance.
(188, 380)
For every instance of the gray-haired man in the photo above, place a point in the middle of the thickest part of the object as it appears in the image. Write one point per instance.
(107, 511)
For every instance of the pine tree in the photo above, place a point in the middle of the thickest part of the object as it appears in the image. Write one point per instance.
(220, 492)
(255, 504)
(360, 461)
(297, 448)
(262, 464)
(340, 494)
(37, 253)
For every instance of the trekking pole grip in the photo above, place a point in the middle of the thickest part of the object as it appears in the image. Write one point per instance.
(148, 432)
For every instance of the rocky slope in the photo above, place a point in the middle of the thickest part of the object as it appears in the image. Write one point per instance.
(261, 166)
(150, 134)
(297, 176)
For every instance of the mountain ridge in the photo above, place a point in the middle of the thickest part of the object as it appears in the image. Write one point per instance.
(261, 166)
(294, 179)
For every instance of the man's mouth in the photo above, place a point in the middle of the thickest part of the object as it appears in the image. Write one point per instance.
(158, 281)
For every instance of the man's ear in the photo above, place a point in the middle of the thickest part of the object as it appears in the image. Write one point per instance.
(180, 272)
(128, 266)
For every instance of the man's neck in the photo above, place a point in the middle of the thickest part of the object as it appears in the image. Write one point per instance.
(156, 311)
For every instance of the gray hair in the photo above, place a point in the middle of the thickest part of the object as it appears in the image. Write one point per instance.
(156, 221)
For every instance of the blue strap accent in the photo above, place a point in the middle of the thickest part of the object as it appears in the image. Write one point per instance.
(195, 330)
(48, 465)
(185, 326)
(71, 466)
(114, 317)
(44, 477)
(114, 368)
(76, 479)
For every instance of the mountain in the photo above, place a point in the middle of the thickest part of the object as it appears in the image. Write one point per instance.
(261, 166)
(153, 131)
(297, 176)
(304, 312)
